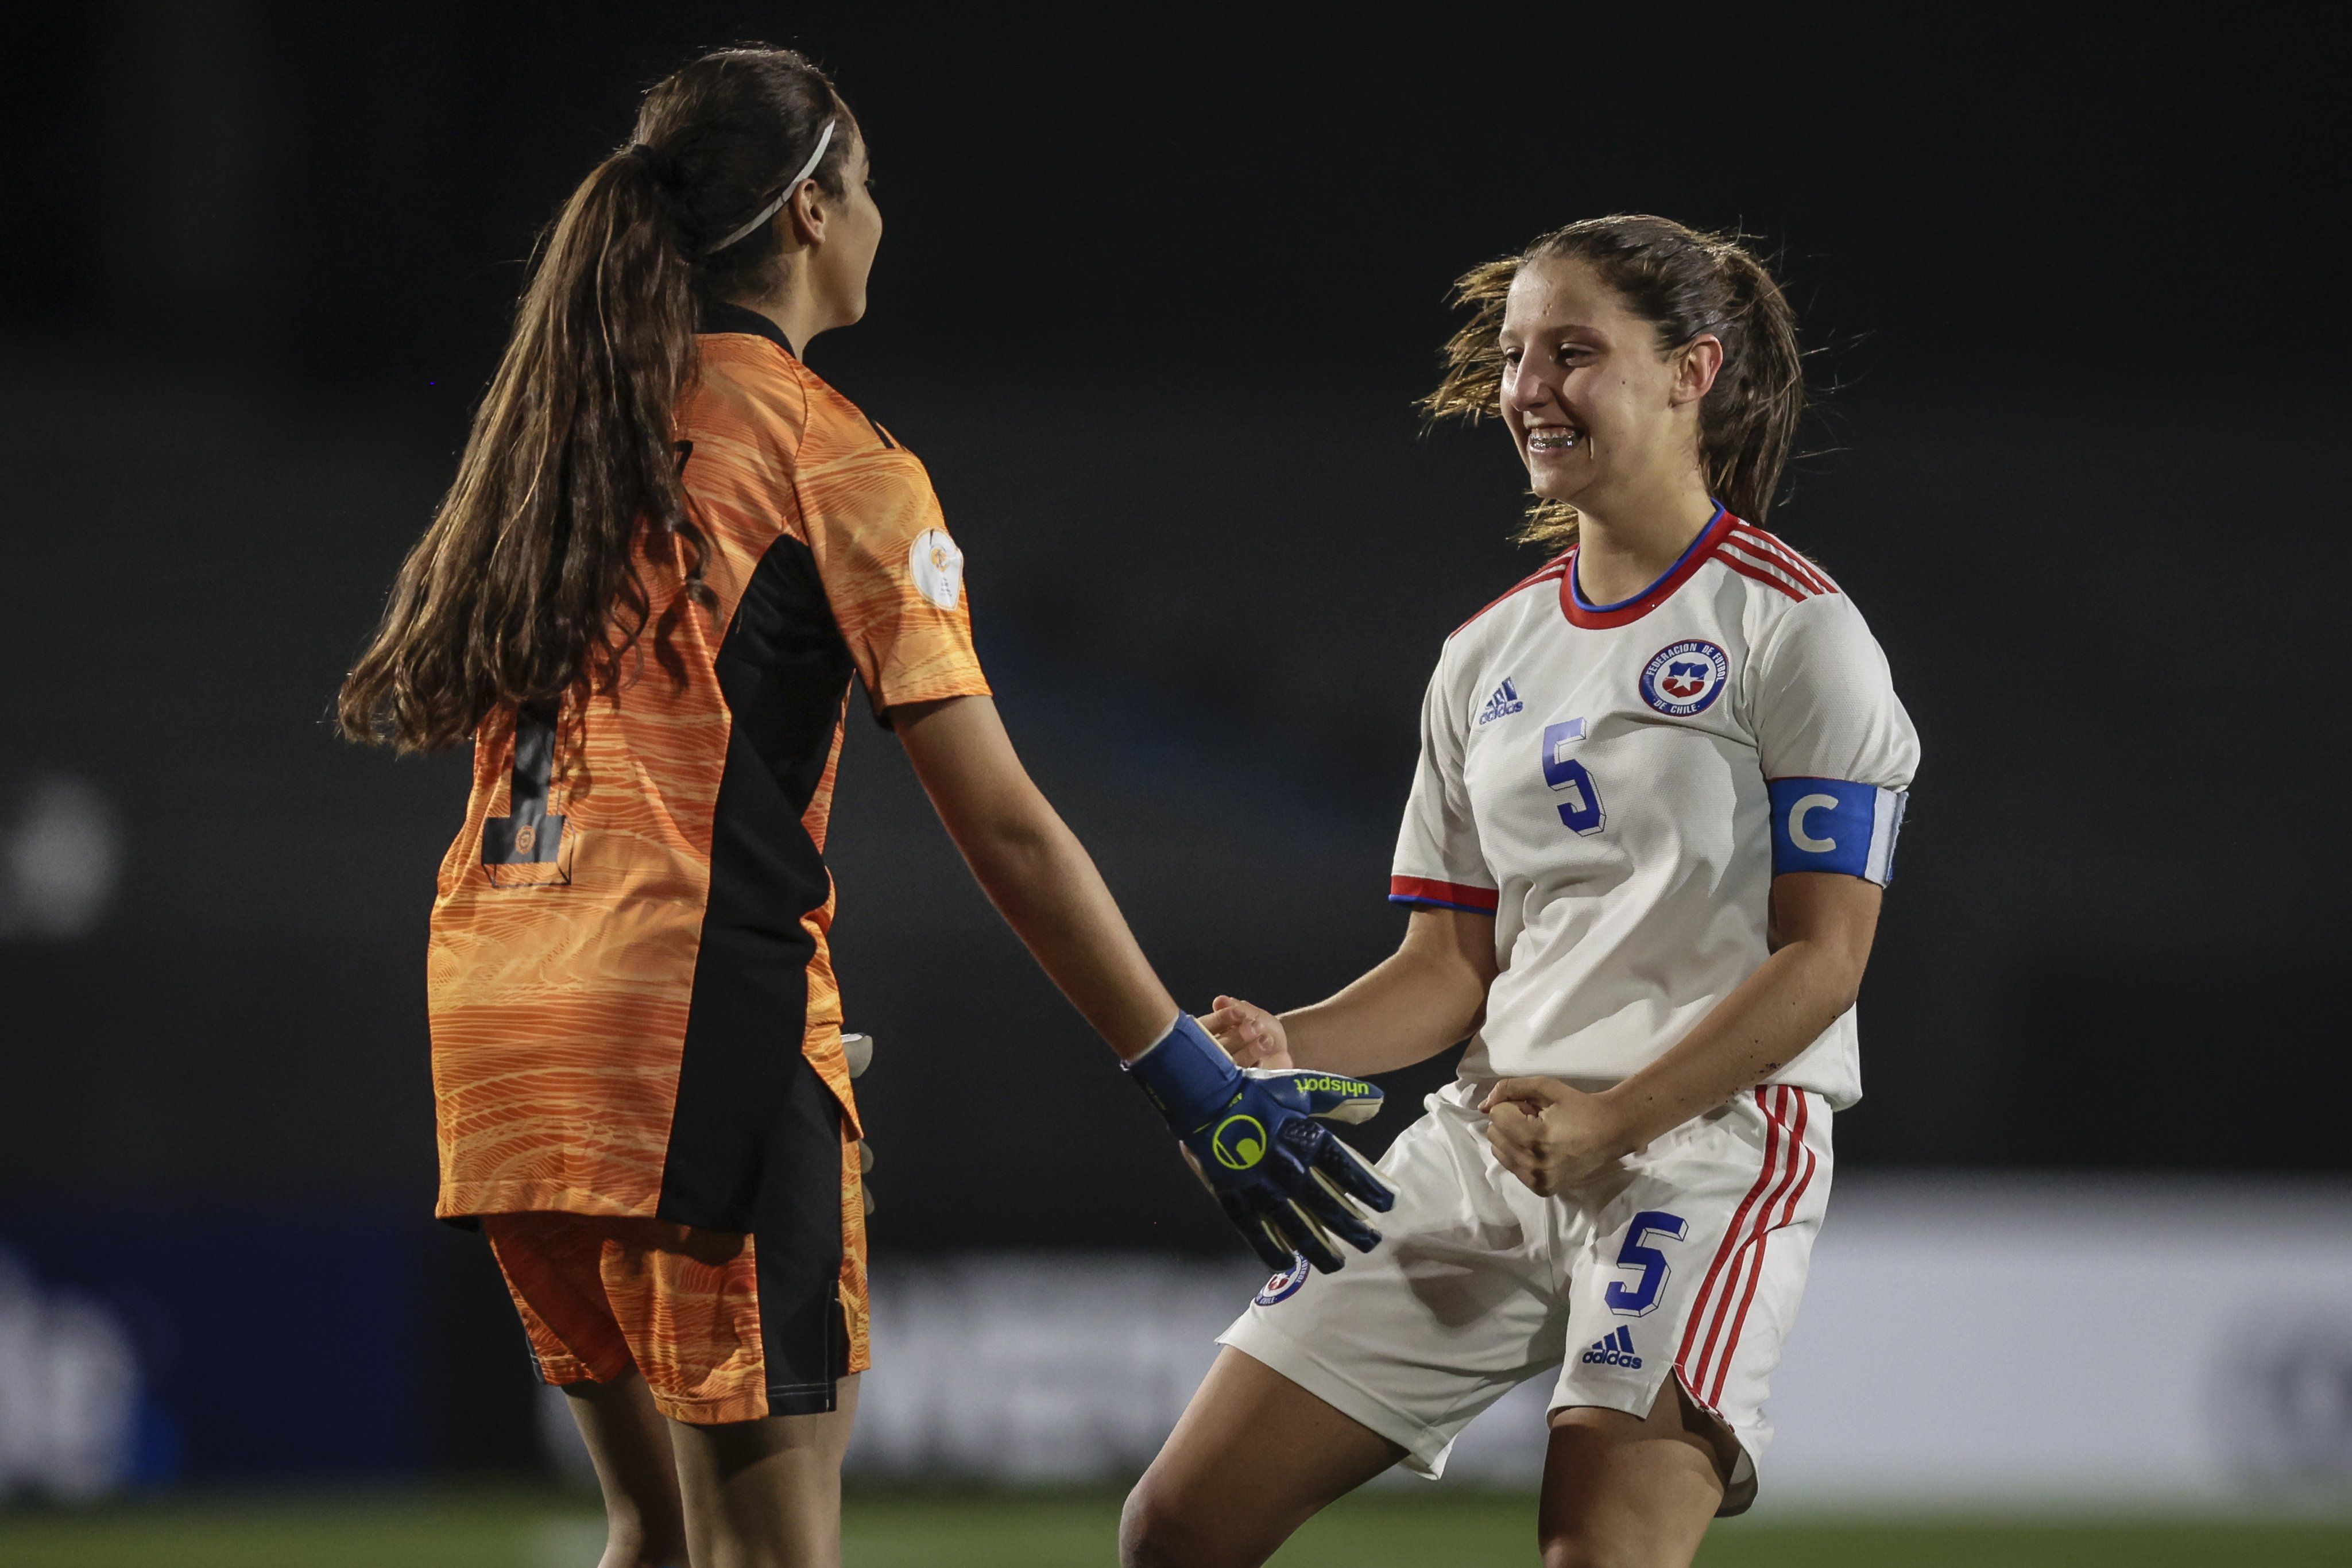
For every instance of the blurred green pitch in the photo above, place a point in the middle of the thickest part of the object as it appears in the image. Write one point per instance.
(916, 1529)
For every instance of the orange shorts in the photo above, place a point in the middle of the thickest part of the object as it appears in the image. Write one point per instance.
(601, 1294)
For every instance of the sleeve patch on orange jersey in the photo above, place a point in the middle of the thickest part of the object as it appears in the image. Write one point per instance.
(936, 565)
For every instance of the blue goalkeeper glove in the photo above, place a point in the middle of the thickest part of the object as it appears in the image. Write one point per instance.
(1256, 1140)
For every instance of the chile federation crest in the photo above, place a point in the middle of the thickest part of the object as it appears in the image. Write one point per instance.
(1282, 1286)
(1684, 678)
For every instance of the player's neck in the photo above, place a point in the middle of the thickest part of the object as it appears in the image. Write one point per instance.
(793, 307)
(1628, 542)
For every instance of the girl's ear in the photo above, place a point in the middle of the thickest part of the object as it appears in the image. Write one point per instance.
(807, 213)
(1696, 365)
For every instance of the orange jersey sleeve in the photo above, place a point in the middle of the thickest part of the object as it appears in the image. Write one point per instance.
(893, 575)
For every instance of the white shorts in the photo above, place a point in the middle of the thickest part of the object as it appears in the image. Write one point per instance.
(1690, 1256)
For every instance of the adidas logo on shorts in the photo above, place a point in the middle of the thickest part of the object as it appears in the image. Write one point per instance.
(1615, 1350)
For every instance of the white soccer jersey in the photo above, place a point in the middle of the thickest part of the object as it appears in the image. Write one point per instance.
(1618, 784)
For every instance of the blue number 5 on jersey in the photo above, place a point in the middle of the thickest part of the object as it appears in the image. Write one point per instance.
(1579, 802)
(1831, 824)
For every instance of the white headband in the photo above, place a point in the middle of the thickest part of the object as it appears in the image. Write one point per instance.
(824, 139)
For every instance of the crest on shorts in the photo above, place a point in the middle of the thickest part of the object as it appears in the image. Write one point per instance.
(1282, 1286)
(1684, 678)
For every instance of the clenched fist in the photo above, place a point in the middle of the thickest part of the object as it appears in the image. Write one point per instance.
(1551, 1135)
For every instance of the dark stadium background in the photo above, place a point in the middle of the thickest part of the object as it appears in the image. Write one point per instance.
(1157, 292)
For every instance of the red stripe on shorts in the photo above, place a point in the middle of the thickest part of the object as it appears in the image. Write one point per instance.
(1764, 1238)
(1729, 1244)
(1777, 1125)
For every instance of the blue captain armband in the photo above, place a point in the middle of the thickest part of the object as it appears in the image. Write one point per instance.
(1831, 824)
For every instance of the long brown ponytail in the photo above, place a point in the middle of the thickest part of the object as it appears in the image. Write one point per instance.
(533, 579)
(1685, 284)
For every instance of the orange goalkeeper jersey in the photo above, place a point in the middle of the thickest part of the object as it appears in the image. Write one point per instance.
(628, 955)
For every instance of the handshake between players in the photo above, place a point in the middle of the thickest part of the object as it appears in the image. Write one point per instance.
(1256, 1138)
(1248, 1120)
(1547, 1133)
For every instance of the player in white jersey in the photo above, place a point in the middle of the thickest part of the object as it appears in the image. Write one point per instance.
(1659, 788)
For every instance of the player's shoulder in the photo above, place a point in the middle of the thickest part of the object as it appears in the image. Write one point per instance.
(1780, 575)
(856, 482)
(850, 466)
(1795, 617)
(838, 429)
(1786, 600)
(739, 427)
(744, 391)
(1471, 648)
(749, 378)
(1536, 592)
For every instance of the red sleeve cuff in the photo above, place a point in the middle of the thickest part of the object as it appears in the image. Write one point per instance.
(1443, 894)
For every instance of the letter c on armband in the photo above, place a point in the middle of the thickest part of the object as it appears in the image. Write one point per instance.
(1835, 825)
(1797, 835)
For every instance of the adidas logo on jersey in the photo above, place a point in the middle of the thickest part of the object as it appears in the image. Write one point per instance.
(1615, 1350)
(1505, 701)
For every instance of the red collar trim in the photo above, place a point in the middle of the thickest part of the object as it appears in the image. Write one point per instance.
(1625, 612)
